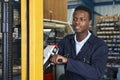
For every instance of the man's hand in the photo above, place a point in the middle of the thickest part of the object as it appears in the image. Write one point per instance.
(58, 59)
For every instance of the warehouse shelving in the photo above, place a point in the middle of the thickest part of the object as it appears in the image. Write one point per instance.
(109, 30)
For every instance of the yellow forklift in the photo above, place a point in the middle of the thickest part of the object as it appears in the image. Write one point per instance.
(31, 16)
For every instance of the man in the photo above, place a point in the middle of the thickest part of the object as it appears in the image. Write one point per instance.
(84, 54)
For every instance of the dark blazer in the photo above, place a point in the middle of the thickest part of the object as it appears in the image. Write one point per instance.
(89, 64)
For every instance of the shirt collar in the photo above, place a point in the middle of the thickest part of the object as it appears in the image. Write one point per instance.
(84, 40)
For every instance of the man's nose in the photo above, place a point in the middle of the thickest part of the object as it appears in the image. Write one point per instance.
(77, 22)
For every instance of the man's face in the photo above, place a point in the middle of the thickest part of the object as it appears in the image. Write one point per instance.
(81, 21)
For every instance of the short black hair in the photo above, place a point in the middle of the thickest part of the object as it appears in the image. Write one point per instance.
(84, 8)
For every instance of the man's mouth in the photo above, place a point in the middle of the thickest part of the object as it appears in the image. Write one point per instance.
(77, 27)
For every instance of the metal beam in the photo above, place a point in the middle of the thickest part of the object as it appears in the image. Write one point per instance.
(72, 6)
(88, 3)
(97, 13)
(106, 3)
(7, 39)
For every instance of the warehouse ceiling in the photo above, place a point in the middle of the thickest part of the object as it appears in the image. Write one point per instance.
(101, 0)
(76, 2)
(93, 2)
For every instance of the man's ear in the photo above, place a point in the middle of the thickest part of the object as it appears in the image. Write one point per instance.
(90, 22)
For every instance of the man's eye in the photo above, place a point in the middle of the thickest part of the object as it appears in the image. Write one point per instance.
(74, 19)
(82, 19)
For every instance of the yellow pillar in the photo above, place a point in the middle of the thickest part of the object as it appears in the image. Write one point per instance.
(23, 41)
(35, 39)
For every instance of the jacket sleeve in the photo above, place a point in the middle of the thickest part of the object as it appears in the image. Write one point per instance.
(91, 71)
(61, 45)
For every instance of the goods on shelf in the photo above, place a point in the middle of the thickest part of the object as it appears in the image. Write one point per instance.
(108, 28)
